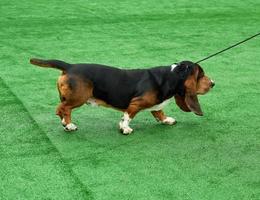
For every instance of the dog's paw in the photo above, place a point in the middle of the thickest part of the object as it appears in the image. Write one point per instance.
(126, 130)
(70, 127)
(169, 121)
(63, 122)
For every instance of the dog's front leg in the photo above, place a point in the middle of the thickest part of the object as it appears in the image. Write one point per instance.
(129, 114)
(161, 117)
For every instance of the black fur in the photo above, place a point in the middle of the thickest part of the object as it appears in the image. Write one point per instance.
(51, 63)
(118, 86)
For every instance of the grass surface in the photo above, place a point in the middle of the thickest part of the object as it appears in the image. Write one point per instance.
(212, 157)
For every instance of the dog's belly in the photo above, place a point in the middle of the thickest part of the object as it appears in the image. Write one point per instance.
(97, 102)
(159, 106)
(92, 102)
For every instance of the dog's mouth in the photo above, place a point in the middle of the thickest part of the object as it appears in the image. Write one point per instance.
(206, 89)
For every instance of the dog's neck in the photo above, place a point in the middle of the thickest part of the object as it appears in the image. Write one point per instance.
(173, 66)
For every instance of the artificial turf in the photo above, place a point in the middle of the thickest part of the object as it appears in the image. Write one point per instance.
(216, 156)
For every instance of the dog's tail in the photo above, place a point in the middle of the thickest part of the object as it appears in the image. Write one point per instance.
(51, 63)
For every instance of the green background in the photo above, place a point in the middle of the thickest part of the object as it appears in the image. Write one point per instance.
(216, 156)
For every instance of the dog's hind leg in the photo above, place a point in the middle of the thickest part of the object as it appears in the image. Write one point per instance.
(161, 117)
(74, 92)
(64, 111)
(66, 121)
(60, 112)
(124, 124)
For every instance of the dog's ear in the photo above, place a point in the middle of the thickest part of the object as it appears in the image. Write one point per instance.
(190, 85)
(180, 101)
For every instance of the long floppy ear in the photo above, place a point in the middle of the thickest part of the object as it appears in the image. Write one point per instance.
(191, 98)
(180, 101)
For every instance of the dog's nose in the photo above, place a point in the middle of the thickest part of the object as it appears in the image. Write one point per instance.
(212, 83)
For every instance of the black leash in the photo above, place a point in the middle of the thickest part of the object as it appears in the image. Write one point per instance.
(230, 47)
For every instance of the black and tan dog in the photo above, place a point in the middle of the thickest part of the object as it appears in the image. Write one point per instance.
(129, 91)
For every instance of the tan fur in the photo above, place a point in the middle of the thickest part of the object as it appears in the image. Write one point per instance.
(72, 98)
(203, 85)
(196, 83)
(159, 115)
(139, 103)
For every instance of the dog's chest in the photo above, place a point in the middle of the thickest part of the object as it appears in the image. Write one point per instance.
(159, 106)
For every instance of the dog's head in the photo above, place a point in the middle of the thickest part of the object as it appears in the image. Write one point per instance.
(195, 83)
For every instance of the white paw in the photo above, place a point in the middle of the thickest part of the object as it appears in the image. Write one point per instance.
(127, 130)
(169, 121)
(70, 127)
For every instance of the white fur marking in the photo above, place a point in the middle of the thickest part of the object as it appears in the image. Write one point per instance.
(127, 130)
(70, 127)
(63, 122)
(124, 124)
(92, 102)
(169, 121)
(159, 106)
(173, 66)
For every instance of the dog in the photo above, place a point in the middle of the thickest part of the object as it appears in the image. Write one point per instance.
(128, 90)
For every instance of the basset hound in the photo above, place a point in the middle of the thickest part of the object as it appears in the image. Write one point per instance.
(129, 91)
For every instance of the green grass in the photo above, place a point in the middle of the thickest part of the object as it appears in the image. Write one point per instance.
(212, 157)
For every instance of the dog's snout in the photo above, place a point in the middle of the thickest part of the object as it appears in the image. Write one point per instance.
(212, 83)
